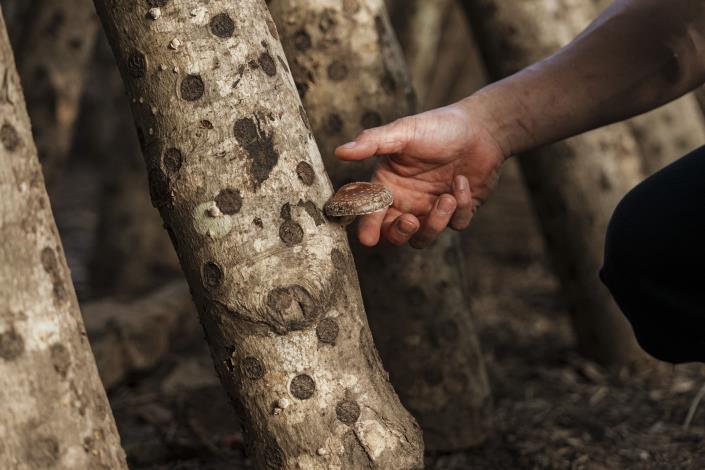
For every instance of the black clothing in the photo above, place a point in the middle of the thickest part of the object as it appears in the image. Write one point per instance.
(655, 260)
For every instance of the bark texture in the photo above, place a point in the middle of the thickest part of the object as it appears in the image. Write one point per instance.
(54, 52)
(669, 132)
(419, 26)
(421, 321)
(574, 184)
(129, 337)
(239, 183)
(132, 254)
(54, 410)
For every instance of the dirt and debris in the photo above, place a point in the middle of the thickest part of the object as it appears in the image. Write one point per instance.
(553, 409)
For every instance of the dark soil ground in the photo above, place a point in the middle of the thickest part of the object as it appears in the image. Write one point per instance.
(553, 410)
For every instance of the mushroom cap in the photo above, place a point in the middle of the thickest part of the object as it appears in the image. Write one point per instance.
(358, 199)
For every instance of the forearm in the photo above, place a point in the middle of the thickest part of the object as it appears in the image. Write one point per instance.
(638, 55)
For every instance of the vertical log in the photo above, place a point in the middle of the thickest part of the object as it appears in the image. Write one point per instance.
(239, 182)
(350, 73)
(53, 409)
(53, 54)
(574, 184)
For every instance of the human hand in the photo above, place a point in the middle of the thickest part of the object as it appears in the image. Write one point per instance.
(440, 165)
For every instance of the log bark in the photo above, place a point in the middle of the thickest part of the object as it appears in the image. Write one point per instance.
(574, 184)
(132, 337)
(132, 254)
(419, 27)
(54, 53)
(417, 307)
(239, 182)
(54, 412)
(669, 132)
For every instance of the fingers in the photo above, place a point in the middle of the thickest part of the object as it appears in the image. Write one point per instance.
(383, 140)
(398, 230)
(465, 210)
(436, 221)
(369, 227)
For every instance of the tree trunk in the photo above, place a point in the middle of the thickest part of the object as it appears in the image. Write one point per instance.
(669, 132)
(132, 254)
(350, 72)
(574, 184)
(419, 26)
(54, 52)
(54, 409)
(239, 183)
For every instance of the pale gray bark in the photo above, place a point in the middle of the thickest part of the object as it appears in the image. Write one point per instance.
(53, 56)
(53, 409)
(574, 184)
(239, 183)
(417, 306)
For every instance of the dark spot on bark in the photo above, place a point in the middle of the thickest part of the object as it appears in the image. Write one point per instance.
(355, 455)
(158, 187)
(222, 25)
(301, 88)
(42, 451)
(302, 41)
(136, 64)
(267, 63)
(258, 222)
(351, 6)
(206, 124)
(304, 118)
(285, 211)
(334, 123)
(291, 233)
(337, 71)
(347, 412)
(60, 358)
(252, 368)
(192, 88)
(302, 387)
(449, 330)
(379, 27)
(75, 43)
(389, 84)
(9, 138)
(339, 259)
(157, 3)
(327, 20)
(312, 210)
(273, 458)
(370, 119)
(212, 275)
(272, 27)
(433, 376)
(327, 331)
(56, 21)
(51, 266)
(283, 64)
(605, 182)
(11, 344)
(306, 173)
(172, 160)
(259, 146)
(229, 201)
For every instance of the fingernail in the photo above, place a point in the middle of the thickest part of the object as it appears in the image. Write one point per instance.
(349, 145)
(407, 227)
(460, 183)
(445, 205)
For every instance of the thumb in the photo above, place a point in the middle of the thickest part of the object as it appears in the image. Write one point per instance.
(384, 140)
